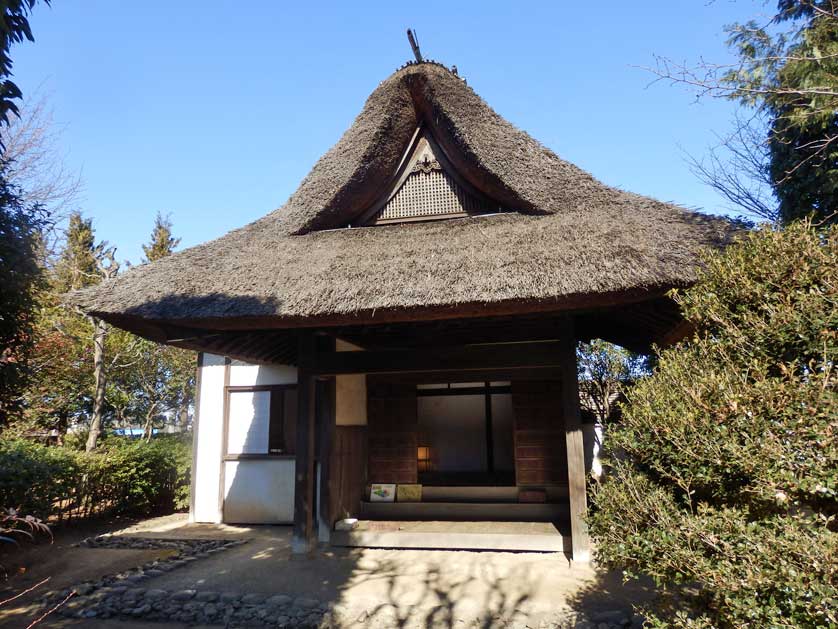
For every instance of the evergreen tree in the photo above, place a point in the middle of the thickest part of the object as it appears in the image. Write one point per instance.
(161, 378)
(14, 28)
(20, 227)
(20, 280)
(162, 242)
(63, 383)
(803, 142)
(790, 75)
(722, 474)
(77, 266)
(781, 160)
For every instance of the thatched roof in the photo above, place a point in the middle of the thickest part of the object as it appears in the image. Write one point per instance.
(572, 242)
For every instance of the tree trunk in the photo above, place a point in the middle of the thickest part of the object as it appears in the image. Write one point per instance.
(99, 332)
(149, 422)
(62, 424)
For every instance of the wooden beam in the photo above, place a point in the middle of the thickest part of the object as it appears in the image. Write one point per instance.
(443, 359)
(576, 475)
(302, 540)
(493, 375)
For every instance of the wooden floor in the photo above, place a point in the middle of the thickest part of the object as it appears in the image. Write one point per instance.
(462, 535)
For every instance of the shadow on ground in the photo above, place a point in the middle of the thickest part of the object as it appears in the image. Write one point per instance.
(346, 587)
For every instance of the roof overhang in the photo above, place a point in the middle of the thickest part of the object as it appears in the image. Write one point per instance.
(635, 321)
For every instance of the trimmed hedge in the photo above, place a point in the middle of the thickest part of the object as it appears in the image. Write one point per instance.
(122, 476)
(722, 478)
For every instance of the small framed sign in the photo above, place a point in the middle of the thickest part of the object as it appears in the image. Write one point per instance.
(382, 492)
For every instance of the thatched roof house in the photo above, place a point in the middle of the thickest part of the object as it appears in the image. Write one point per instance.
(449, 246)
(563, 240)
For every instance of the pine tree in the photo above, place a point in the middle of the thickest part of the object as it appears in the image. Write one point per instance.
(84, 262)
(162, 243)
(77, 266)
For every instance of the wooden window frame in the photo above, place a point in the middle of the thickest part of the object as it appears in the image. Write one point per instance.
(487, 390)
(276, 418)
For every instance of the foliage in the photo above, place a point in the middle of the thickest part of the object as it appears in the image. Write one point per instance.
(780, 162)
(60, 387)
(604, 369)
(162, 242)
(20, 225)
(61, 383)
(723, 480)
(20, 279)
(153, 382)
(122, 476)
(77, 264)
(13, 526)
(791, 75)
(149, 382)
(14, 28)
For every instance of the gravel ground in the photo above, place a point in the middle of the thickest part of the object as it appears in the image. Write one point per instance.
(239, 577)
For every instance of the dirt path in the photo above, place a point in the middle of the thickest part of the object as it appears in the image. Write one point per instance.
(62, 563)
(348, 587)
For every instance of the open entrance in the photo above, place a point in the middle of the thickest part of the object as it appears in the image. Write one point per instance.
(465, 434)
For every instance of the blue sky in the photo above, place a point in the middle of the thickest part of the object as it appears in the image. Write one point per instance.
(214, 111)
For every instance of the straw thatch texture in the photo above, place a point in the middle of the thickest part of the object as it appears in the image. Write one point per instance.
(570, 236)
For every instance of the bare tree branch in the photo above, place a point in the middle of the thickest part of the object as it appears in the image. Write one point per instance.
(737, 168)
(37, 163)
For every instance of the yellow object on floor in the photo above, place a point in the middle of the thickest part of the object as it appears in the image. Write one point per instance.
(409, 493)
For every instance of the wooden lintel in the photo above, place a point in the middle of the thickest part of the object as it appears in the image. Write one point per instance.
(505, 356)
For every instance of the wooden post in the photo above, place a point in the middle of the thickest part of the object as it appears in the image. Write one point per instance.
(576, 476)
(326, 394)
(302, 540)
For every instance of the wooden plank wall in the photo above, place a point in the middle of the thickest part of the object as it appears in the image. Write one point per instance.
(540, 444)
(348, 471)
(392, 432)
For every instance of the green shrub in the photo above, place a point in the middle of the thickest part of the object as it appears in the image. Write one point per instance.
(35, 478)
(722, 480)
(122, 476)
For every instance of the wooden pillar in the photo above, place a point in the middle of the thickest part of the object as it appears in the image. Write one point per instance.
(302, 540)
(325, 408)
(576, 476)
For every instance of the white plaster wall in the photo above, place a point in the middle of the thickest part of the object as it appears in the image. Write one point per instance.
(265, 485)
(259, 492)
(246, 375)
(207, 473)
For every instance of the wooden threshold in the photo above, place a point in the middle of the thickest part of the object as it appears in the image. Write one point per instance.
(465, 511)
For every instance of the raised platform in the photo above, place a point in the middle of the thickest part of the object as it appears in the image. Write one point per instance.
(448, 535)
(490, 494)
(465, 511)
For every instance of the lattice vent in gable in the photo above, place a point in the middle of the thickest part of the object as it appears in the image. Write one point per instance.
(427, 190)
